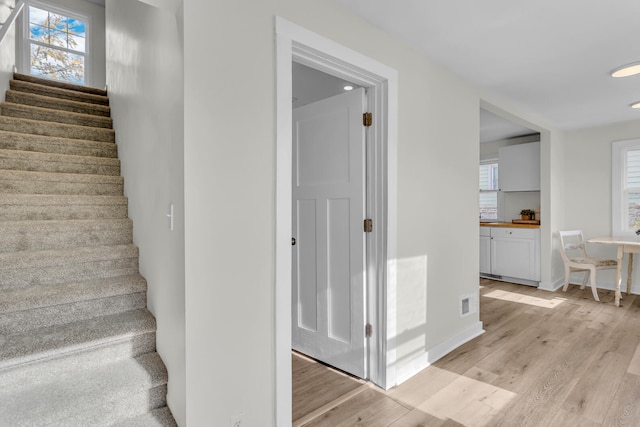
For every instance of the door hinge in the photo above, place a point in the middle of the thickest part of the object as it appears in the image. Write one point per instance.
(367, 119)
(368, 225)
(368, 330)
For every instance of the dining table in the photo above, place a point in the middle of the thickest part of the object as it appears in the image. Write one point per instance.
(626, 245)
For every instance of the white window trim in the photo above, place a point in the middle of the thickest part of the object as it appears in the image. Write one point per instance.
(23, 52)
(500, 197)
(618, 199)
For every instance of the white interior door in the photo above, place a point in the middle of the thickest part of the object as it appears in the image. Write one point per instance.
(328, 295)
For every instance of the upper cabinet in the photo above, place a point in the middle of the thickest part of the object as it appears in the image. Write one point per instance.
(519, 167)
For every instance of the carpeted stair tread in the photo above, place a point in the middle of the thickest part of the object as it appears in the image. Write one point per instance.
(42, 101)
(14, 207)
(58, 234)
(65, 293)
(49, 342)
(53, 162)
(83, 398)
(52, 315)
(49, 144)
(55, 92)
(54, 116)
(112, 413)
(60, 130)
(90, 357)
(49, 267)
(27, 182)
(59, 84)
(160, 417)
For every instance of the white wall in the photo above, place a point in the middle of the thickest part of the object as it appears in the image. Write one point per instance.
(229, 198)
(587, 201)
(145, 78)
(7, 49)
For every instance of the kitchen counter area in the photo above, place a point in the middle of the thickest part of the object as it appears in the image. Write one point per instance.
(508, 225)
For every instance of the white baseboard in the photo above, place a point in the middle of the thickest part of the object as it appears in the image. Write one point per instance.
(552, 286)
(408, 370)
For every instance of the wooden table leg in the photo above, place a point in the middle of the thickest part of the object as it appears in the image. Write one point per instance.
(629, 271)
(619, 274)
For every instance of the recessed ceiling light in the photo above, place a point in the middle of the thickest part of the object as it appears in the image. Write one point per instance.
(635, 105)
(626, 70)
(348, 87)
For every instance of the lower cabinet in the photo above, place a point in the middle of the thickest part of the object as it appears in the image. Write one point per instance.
(511, 254)
(485, 250)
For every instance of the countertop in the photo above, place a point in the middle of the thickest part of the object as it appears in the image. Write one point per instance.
(508, 225)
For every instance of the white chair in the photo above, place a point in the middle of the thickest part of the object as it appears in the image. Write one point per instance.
(575, 258)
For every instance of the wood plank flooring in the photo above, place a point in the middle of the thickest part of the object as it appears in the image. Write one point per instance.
(546, 359)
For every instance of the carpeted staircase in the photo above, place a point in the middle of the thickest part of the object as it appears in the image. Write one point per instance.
(77, 344)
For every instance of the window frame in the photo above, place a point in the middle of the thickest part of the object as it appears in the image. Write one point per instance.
(619, 190)
(496, 190)
(23, 43)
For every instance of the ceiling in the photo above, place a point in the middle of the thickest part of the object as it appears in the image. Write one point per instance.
(310, 85)
(549, 59)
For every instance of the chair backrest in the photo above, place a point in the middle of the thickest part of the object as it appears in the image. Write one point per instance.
(571, 242)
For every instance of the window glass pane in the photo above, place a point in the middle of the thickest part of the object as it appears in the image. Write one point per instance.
(633, 169)
(39, 33)
(633, 211)
(489, 176)
(58, 22)
(38, 16)
(58, 38)
(76, 43)
(77, 27)
(489, 205)
(57, 64)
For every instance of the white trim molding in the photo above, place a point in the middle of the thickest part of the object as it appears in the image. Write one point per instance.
(437, 352)
(296, 44)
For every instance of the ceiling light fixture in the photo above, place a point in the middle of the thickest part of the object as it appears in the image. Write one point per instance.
(635, 105)
(626, 70)
(348, 87)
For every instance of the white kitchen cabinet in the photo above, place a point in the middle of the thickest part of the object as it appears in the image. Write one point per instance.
(519, 167)
(510, 254)
(485, 250)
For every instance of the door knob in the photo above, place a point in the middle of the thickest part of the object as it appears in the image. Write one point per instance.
(293, 241)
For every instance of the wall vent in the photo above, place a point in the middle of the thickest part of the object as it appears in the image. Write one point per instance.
(464, 306)
(468, 304)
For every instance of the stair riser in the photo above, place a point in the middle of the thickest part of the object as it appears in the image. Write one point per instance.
(56, 104)
(24, 321)
(59, 84)
(59, 167)
(59, 130)
(44, 144)
(43, 237)
(50, 369)
(48, 115)
(39, 213)
(41, 276)
(64, 188)
(37, 89)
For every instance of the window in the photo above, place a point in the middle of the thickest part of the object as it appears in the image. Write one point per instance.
(625, 187)
(57, 45)
(489, 190)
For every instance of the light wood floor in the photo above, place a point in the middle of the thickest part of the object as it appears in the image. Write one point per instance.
(546, 359)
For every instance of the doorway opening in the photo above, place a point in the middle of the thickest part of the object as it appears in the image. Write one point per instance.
(329, 291)
(296, 44)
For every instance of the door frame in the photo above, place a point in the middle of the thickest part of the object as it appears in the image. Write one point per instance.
(296, 44)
